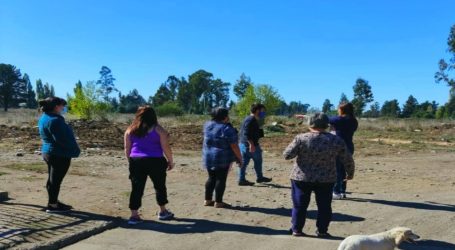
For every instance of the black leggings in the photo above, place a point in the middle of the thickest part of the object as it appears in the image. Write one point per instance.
(140, 169)
(57, 168)
(216, 182)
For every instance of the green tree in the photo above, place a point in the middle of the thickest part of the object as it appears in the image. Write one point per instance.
(343, 99)
(162, 95)
(30, 96)
(327, 106)
(48, 91)
(264, 94)
(167, 92)
(362, 95)
(199, 83)
(391, 109)
(39, 90)
(87, 102)
(106, 83)
(410, 107)
(374, 112)
(443, 75)
(242, 85)
(217, 94)
(11, 85)
(441, 112)
(184, 95)
(129, 103)
(243, 106)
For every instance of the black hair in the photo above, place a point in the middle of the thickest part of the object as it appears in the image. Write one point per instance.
(257, 106)
(49, 104)
(219, 114)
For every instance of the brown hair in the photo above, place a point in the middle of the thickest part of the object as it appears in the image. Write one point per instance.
(49, 104)
(144, 120)
(347, 108)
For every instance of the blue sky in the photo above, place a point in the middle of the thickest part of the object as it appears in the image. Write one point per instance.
(308, 50)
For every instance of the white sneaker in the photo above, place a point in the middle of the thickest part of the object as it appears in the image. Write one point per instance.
(337, 196)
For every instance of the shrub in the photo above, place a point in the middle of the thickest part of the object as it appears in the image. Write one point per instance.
(169, 109)
(86, 103)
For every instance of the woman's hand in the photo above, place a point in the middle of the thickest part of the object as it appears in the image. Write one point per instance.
(170, 166)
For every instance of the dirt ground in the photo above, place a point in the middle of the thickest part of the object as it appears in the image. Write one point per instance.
(409, 184)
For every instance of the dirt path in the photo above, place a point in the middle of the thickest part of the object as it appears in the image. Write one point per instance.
(414, 190)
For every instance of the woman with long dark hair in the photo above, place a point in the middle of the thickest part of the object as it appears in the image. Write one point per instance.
(149, 155)
(344, 125)
(59, 146)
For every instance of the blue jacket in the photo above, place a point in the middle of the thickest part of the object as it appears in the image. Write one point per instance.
(216, 150)
(58, 138)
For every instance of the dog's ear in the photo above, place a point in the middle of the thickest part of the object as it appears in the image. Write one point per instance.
(400, 235)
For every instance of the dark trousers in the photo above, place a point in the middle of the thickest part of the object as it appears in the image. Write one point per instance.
(301, 193)
(216, 182)
(140, 169)
(341, 184)
(57, 168)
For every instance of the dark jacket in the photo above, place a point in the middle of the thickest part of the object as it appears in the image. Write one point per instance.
(250, 131)
(57, 137)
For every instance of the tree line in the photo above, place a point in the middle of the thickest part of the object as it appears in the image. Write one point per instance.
(201, 91)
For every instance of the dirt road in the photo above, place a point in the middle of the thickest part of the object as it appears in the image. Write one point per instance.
(416, 190)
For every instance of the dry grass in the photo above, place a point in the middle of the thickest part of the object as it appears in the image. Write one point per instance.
(370, 128)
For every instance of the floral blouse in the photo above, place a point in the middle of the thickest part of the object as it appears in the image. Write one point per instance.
(317, 153)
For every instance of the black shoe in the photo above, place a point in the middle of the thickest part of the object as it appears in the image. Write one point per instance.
(323, 235)
(61, 208)
(263, 179)
(246, 183)
(64, 206)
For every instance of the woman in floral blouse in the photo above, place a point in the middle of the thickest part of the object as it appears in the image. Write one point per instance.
(315, 171)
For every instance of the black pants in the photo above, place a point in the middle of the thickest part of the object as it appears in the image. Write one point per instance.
(301, 194)
(57, 168)
(216, 182)
(140, 169)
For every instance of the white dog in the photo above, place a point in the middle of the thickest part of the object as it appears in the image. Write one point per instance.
(381, 241)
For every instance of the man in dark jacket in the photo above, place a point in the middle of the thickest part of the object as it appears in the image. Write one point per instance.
(250, 133)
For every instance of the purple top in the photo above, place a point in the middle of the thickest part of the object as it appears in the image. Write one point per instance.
(147, 146)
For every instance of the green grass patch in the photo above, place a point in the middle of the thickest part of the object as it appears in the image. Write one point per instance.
(30, 178)
(37, 167)
(3, 173)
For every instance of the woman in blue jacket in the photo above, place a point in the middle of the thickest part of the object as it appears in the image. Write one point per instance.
(59, 146)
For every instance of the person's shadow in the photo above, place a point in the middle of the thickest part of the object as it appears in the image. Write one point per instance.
(407, 204)
(311, 214)
(190, 226)
(427, 245)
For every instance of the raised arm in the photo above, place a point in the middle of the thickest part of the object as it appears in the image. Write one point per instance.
(165, 145)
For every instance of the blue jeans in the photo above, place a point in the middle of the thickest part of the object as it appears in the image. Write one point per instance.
(301, 194)
(340, 184)
(247, 156)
